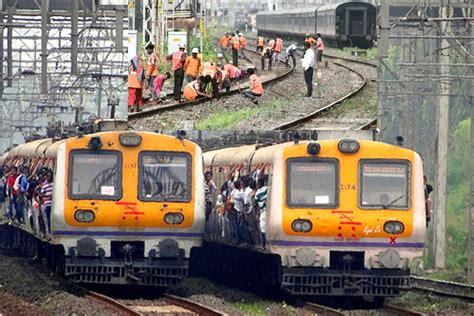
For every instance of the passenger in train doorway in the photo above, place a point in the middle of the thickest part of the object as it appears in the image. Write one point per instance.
(308, 67)
(256, 89)
(261, 203)
(210, 191)
(3, 192)
(428, 202)
(46, 195)
(178, 59)
(236, 217)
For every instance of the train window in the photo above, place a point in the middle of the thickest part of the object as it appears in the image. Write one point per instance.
(164, 176)
(95, 175)
(312, 182)
(384, 184)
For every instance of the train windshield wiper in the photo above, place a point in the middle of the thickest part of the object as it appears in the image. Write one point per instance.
(385, 206)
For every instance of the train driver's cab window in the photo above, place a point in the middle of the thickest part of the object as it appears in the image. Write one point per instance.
(165, 177)
(384, 184)
(95, 175)
(312, 182)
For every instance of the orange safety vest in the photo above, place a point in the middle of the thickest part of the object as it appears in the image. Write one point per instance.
(260, 41)
(278, 45)
(243, 41)
(133, 81)
(177, 62)
(235, 43)
(224, 41)
(256, 85)
(190, 91)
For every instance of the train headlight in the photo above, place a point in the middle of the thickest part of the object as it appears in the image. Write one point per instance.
(348, 146)
(174, 218)
(301, 225)
(84, 216)
(130, 139)
(390, 258)
(368, 38)
(95, 143)
(393, 227)
(313, 148)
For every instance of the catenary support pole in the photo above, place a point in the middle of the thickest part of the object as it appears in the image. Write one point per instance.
(44, 45)
(74, 47)
(470, 268)
(442, 151)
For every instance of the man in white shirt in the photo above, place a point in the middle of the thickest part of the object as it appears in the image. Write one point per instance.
(308, 66)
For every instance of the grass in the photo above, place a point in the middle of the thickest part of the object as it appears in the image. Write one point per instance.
(226, 119)
(447, 275)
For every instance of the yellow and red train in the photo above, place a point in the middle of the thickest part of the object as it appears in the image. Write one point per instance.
(343, 218)
(127, 206)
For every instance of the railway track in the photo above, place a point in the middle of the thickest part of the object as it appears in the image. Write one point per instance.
(386, 309)
(167, 304)
(445, 288)
(307, 121)
(155, 110)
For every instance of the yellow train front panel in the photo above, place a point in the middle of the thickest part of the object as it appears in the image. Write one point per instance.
(117, 186)
(337, 209)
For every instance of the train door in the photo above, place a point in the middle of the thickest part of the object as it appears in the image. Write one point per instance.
(355, 21)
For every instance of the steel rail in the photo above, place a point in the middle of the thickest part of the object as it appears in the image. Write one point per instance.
(117, 306)
(192, 306)
(451, 289)
(299, 121)
(160, 109)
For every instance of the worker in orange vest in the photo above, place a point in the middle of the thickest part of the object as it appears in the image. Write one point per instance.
(195, 88)
(214, 76)
(243, 43)
(224, 41)
(278, 48)
(256, 89)
(193, 65)
(136, 76)
(178, 59)
(235, 49)
(260, 43)
(151, 70)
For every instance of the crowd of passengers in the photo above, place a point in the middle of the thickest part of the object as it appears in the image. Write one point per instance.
(236, 213)
(26, 198)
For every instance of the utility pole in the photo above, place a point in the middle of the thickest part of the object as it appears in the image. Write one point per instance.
(44, 45)
(382, 51)
(442, 152)
(470, 263)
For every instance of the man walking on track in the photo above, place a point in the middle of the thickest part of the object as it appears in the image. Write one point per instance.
(235, 49)
(177, 65)
(308, 66)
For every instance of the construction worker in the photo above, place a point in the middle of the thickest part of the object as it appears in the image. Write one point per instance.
(235, 49)
(291, 52)
(256, 89)
(267, 53)
(224, 41)
(319, 47)
(216, 75)
(260, 43)
(178, 59)
(136, 76)
(194, 89)
(231, 74)
(193, 65)
(243, 43)
(278, 48)
(309, 39)
(151, 69)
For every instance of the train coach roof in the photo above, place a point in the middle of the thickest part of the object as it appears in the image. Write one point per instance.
(290, 11)
(228, 156)
(334, 6)
(34, 149)
(52, 150)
